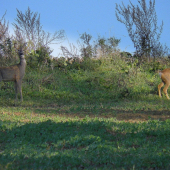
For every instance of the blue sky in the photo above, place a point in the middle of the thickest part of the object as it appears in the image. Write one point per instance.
(95, 17)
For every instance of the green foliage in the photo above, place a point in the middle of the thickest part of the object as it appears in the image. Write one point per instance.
(108, 45)
(9, 53)
(104, 45)
(106, 79)
(90, 64)
(153, 66)
(59, 62)
(39, 57)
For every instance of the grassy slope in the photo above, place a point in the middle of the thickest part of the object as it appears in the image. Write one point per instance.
(104, 117)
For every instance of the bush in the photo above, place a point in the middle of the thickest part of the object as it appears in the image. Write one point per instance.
(39, 57)
(92, 80)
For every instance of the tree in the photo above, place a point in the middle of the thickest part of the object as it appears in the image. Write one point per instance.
(30, 26)
(141, 24)
(86, 47)
(3, 28)
(6, 45)
(89, 50)
(4, 35)
(107, 45)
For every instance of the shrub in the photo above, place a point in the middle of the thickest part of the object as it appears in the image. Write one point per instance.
(105, 79)
(38, 57)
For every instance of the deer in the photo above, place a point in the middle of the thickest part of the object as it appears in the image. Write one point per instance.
(165, 76)
(15, 73)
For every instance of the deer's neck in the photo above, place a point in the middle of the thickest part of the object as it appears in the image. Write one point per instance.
(22, 61)
(22, 66)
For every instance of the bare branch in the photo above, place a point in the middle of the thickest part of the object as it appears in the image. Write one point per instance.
(70, 54)
(30, 26)
(3, 28)
(141, 24)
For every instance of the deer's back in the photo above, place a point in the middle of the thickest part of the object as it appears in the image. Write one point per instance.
(9, 73)
(165, 75)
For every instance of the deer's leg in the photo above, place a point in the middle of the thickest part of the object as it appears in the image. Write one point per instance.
(165, 90)
(16, 91)
(159, 88)
(19, 84)
(0, 77)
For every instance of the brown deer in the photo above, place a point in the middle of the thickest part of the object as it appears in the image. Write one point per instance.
(15, 73)
(165, 76)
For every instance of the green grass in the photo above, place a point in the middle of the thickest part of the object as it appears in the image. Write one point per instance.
(107, 116)
(122, 135)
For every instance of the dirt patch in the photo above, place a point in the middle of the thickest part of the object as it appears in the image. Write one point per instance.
(122, 115)
(119, 114)
(145, 116)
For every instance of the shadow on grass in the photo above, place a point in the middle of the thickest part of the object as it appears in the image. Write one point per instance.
(114, 112)
(84, 144)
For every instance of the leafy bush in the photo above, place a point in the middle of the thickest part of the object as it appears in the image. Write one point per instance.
(153, 66)
(90, 64)
(104, 79)
(39, 57)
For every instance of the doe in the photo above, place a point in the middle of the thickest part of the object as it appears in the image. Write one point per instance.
(15, 73)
